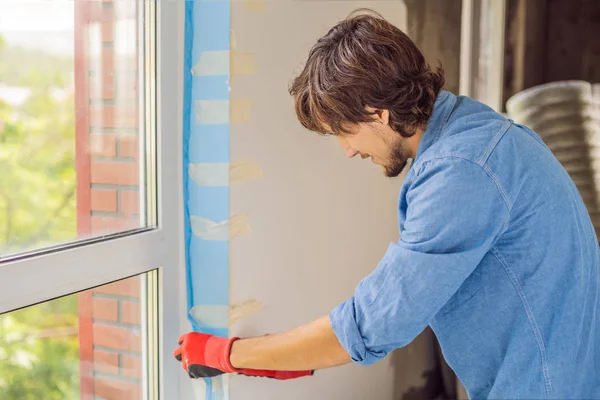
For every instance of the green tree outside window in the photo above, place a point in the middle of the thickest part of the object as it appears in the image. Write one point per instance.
(39, 348)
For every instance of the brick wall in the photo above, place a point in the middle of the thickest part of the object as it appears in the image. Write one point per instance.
(108, 192)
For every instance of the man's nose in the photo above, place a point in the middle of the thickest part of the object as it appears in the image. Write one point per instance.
(348, 150)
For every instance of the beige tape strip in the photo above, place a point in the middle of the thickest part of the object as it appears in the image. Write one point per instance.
(244, 171)
(225, 62)
(210, 174)
(222, 111)
(239, 224)
(212, 111)
(242, 63)
(240, 110)
(212, 63)
(223, 174)
(210, 316)
(236, 225)
(232, 40)
(240, 311)
(254, 5)
(220, 316)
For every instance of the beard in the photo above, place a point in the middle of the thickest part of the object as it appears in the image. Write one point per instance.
(398, 160)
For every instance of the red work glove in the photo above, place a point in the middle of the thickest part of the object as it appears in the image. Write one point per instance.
(205, 356)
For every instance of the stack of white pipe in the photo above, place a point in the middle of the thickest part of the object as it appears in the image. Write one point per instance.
(567, 117)
(596, 94)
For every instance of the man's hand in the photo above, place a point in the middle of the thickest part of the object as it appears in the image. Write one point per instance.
(205, 356)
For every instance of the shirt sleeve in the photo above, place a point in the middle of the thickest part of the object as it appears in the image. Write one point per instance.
(455, 211)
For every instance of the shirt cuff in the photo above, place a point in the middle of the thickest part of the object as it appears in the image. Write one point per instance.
(343, 322)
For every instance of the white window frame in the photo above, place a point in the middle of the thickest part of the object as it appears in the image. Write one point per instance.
(46, 275)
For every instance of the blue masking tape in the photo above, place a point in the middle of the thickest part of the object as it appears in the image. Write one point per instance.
(212, 112)
(212, 63)
(187, 102)
(211, 87)
(209, 389)
(211, 26)
(210, 143)
(210, 202)
(207, 28)
(218, 393)
(210, 287)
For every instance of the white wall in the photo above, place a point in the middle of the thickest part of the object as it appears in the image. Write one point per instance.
(320, 222)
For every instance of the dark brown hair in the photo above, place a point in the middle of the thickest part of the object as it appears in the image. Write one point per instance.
(365, 61)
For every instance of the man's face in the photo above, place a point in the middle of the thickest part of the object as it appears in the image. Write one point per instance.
(379, 142)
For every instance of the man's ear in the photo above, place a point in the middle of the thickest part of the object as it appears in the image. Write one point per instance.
(382, 116)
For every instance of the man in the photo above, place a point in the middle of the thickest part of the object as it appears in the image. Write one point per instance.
(497, 251)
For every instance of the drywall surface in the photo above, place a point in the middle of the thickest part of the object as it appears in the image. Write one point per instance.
(320, 222)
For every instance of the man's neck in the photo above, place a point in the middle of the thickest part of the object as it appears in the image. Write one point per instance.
(412, 143)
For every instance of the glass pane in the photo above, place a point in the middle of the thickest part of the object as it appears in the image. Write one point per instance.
(82, 346)
(70, 122)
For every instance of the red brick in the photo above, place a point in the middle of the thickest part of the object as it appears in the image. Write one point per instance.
(130, 203)
(105, 362)
(118, 338)
(129, 287)
(108, 61)
(132, 367)
(108, 31)
(107, 225)
(115, 173)
(94, 11)
(104, 200)
(107, 25)
(117, 390)
(103, 145)
(131, 313)
(105, 309)
(114, 116)
(129, 146)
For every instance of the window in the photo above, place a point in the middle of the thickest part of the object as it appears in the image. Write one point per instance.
(86, 344)
(72, 130)
(87, 238)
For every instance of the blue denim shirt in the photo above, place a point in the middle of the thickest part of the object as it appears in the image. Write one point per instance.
(497, 254)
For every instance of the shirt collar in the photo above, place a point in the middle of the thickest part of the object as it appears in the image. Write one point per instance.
(444, 104)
